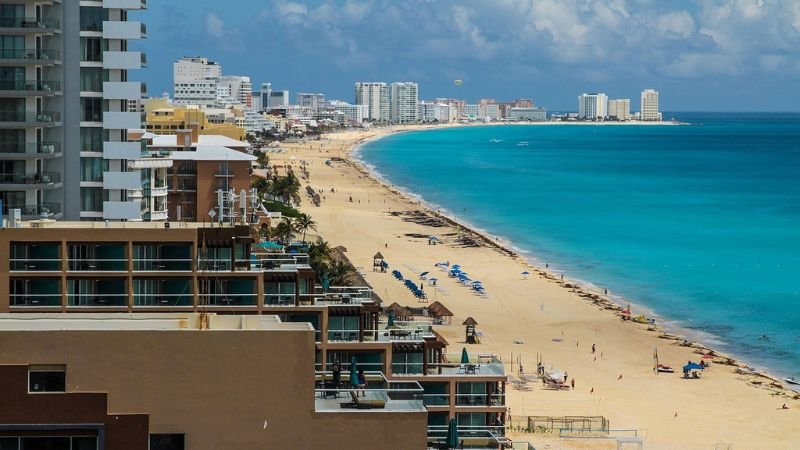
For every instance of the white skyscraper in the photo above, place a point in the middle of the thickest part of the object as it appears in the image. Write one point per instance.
(404, 101)
(619, 109)
(314, 102)
(375, 95)
(649, 105)
(240, 89)
(195, 81)
(592, 106)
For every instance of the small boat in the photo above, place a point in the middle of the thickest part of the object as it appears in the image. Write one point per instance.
(495, 141)
(522, 144)
(792, 380)
(665, 369)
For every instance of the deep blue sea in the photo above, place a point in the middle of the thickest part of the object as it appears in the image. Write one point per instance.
(699, 223)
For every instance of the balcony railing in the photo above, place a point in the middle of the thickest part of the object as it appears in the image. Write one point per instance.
(25, 117)
(480, 399)
(35, 300)
(35, 265)
(162, 264)
(228, 299)
(480, 366)
(39, 178)
(163, 300)
(30, 148)
(97, 265)
(33, 54)
(97, 300)
(29, 22)
(41, 211)
(379, 394)
(224, 173)
(470, 436)
(343, 335)
(30, 86)
(278, 299)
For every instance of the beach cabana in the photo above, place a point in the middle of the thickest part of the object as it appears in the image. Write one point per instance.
(440, 313)
(378, 263)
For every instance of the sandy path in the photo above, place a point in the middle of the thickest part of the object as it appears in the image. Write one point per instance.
(549, 320)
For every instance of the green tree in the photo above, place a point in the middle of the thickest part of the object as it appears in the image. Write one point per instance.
(304, 223)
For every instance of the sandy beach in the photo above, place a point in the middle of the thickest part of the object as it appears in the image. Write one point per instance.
(541, 316)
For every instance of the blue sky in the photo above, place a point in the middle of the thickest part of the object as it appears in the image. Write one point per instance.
(709, 55)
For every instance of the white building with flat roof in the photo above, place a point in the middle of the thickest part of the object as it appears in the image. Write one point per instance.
(404, 100)
(375, 96)
(649, 106)
(195, 81)
(314, 102)
(488, 111)
(530, 114)
(592, 106)
(619, 109)
(355, 114)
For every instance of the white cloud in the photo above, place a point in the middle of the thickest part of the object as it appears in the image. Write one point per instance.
(214, 25)
(678, 23)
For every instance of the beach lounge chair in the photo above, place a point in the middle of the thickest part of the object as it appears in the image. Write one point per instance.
(362, 403)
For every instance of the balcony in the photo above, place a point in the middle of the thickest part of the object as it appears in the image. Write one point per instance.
(162, 257)
(400, 331)
(98, 300)
(276, 262)
(122, 90)
(122, 210)
(227, 299)
(35, 257)
(378, 396)
(102, 292)
(484, 365)
(172, 292)
(475, 437)
(23, 150)
(41, 180)
(114, 120)
(35, 292)
(151, 160)
(25, 25)
(122, 180)
(122, 150)
(125, 4)
(124, 60)
(13, 119)
(44, 210)
(158, 215)
(97, 258)
(125, 30)
(224, 173)
(13, 56)
(24, 88)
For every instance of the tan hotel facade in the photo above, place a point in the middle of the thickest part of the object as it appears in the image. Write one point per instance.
(147, 268)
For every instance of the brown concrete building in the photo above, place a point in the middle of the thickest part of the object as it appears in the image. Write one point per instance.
(146, 268)
(238, 382)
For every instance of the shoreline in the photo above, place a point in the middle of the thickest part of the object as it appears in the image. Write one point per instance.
(584, 288)
(524, 319)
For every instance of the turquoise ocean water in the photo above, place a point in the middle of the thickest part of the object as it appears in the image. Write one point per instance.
(699, 223)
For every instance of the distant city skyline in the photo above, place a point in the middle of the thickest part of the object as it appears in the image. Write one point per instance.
(734, 55)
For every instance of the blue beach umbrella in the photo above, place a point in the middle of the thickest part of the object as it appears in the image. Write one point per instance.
(692, 366)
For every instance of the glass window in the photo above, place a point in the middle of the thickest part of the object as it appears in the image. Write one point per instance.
(10, 16)
(92, 49)
(12, 47)
(47, 381)
(92, 79)
(92, 18)
(92, 139)
(91, 109)
(84, 443)
(92, 169)
(92, 199)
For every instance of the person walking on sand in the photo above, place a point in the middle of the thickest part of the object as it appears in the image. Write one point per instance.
(573, 384)
(593, 349)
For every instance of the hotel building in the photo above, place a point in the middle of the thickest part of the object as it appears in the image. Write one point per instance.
(649, 105)
(171, 381)
(313, 102)
(375, 95)
(64, 113)
(143, 268)
(592, 106)
(619, 109)
(532, 114)
(404, 101)
(195, 81)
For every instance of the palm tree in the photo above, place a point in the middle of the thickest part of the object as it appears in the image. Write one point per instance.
(303, 223)
(340, 273)
(284, 230)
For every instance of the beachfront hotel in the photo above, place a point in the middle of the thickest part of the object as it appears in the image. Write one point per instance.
(175, 381)
(65, 109)
(649, 106)
(619, 109)
(375, 95)
(70, 268)
(592, 106)
(404, 101)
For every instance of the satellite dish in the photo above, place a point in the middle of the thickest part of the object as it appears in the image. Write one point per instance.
(458, 82)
